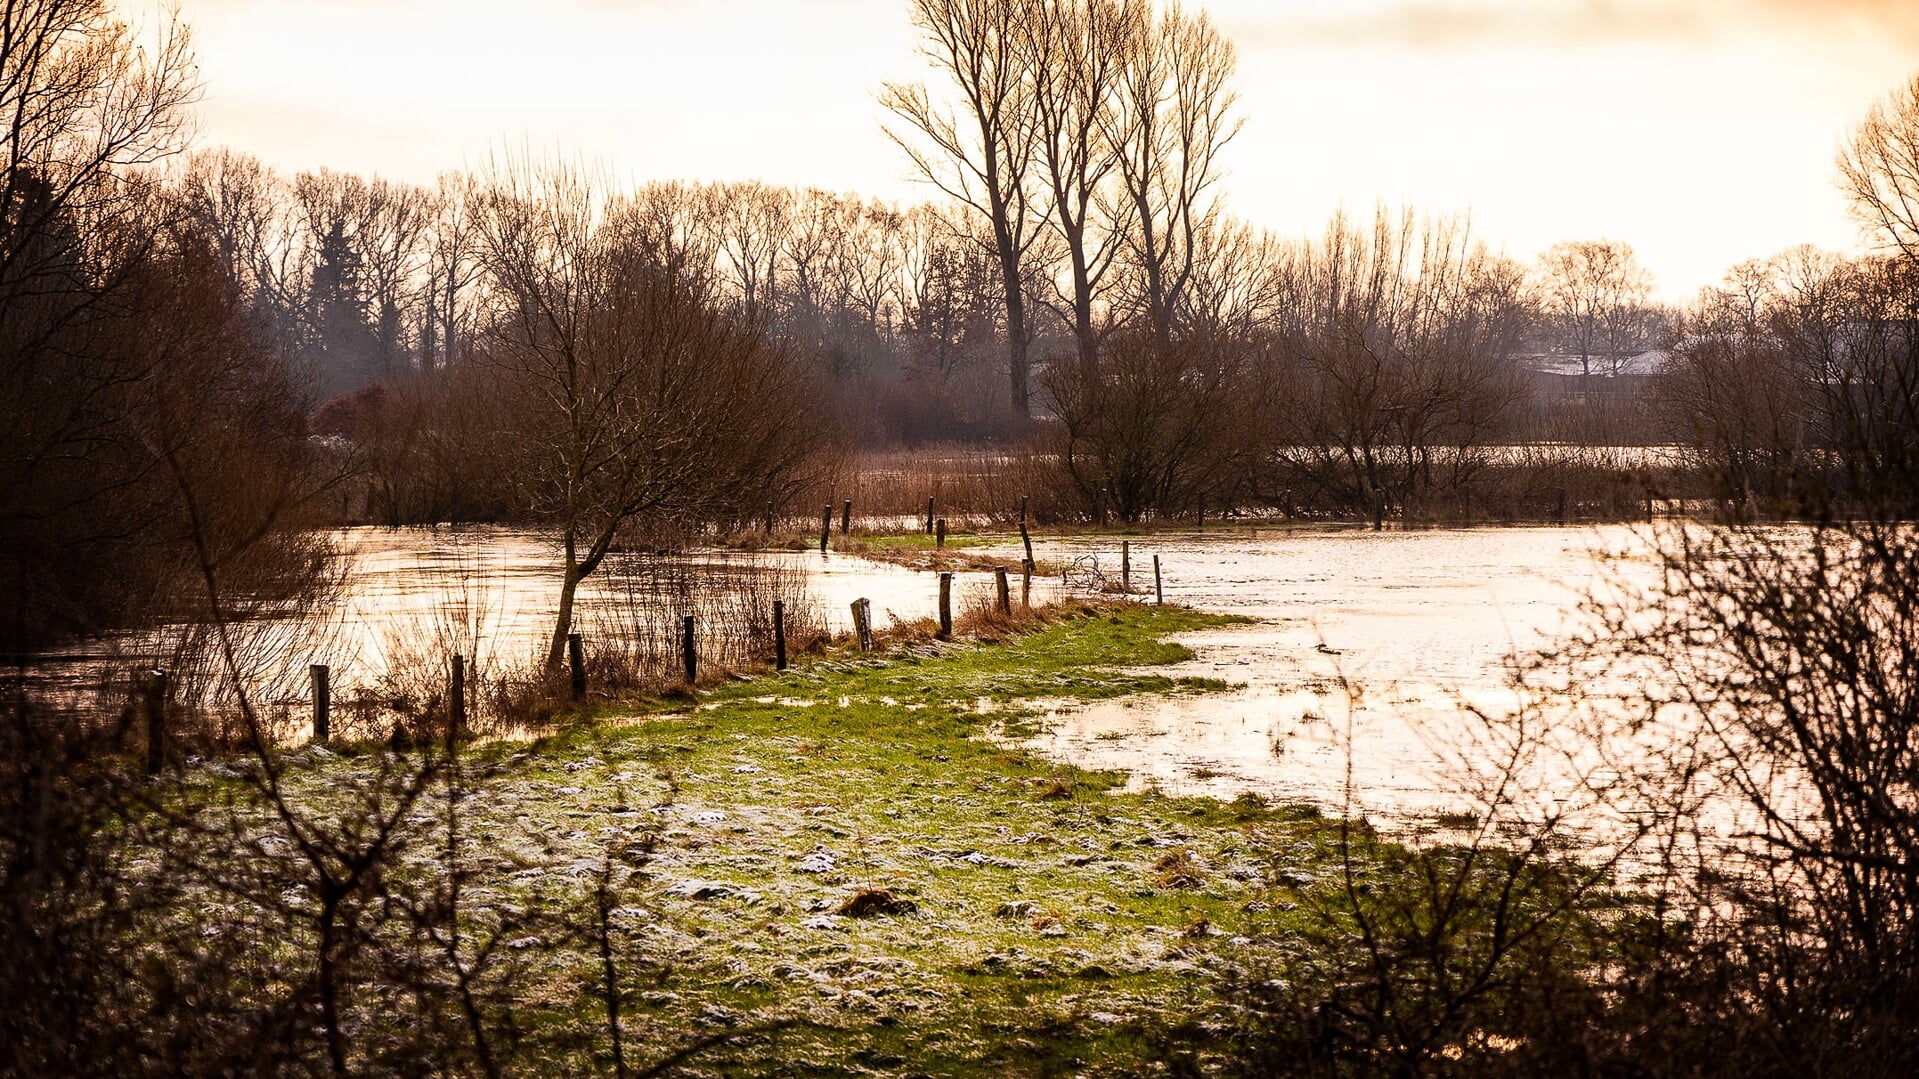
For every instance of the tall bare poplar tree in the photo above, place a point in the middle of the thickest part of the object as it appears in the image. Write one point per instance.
(982, 155)
(1175, 116)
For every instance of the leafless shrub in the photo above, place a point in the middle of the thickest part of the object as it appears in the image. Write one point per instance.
(636, 622)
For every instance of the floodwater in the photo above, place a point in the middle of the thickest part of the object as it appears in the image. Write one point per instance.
(1365, 647)
(1347, 686)
(410, 593)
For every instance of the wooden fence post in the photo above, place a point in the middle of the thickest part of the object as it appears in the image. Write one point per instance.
(826, 525)
(322, 701)
(456, 700)
(939, 534)
(779, 635)
(769, 518)
(576, 660)
(1026, 585)
(689, 651)
(863, 623)
(1005, 592)
(946, 606)
(156, 720)
(1126, 565)
(1022, 511)
(1026, 538)
(929, 515)
(846, 518)
(1159, 590)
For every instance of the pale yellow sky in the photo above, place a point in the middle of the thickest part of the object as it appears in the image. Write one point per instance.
(1701, 132)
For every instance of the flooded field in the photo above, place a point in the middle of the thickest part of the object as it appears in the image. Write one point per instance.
(1365, 645)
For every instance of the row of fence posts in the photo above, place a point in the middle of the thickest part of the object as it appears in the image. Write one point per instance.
(155, 690)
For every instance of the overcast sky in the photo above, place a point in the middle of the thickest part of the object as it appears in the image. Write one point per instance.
(1701, 132)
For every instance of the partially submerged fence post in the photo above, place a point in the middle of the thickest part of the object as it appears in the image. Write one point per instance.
(1026, 538)
(322, 701)
(156, 720)
(846, 518)
(946, 605)
(456, 701)
(939, 534)
(929, 515)
(576, 660)
(779, 635)
(1126, 565)
(1159, 590)
(1026, 585)
(826, 525)
(689, 650)
(863, 623)
(1005, 592)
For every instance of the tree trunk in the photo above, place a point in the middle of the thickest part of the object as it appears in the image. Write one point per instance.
(563, 622)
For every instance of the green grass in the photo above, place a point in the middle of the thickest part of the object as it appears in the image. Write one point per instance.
(1059, 921)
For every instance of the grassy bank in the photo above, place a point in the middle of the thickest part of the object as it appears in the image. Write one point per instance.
(859, 851)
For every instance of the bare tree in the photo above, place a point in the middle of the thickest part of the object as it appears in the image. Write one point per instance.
(983, 159)
(637, 395)
(85, 106)
(1879, 170)
(1175, 118)
(1595, 289)
(1077, 54)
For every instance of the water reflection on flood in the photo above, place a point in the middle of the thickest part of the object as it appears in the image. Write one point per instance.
(405, 583)
(1368, 640)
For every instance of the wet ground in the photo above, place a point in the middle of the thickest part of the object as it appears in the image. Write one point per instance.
(1364, 641)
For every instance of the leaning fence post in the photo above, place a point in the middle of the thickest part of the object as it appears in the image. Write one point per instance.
(1026, 538)
(1022, 510)
(156, 720)
(1159, 590)
(456, 712)
(846, 518)
(1005, 592)
(1026, 585)
(946, 605)
(689, 650)
(826, 525)
(939, 533)
(576, 659)
(322, 701)
(779, 635)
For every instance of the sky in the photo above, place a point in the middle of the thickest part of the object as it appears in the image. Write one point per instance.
(1701, 132)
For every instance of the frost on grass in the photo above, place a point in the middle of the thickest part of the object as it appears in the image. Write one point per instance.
(845, 841)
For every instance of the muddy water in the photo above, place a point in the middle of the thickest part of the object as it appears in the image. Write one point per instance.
(1365, 646)
(502, 585)
(407, 593)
